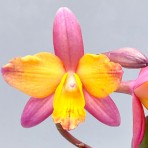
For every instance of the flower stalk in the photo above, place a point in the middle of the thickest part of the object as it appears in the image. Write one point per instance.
(71, 138)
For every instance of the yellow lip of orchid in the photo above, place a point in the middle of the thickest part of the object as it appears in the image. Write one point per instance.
(63, 78)
(69, 102)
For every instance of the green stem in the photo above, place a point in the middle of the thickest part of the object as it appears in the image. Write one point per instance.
(71, 138)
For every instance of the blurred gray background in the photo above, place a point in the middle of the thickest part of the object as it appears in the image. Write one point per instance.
(26, 28)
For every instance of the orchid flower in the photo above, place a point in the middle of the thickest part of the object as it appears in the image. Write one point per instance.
(67, 83)
(140, 87)
(139, 90)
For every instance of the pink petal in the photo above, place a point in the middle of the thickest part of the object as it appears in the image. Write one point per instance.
(138, 122)
(142, 78)
(67, 38)
(104, 110)
(143, 71)
(36, 110)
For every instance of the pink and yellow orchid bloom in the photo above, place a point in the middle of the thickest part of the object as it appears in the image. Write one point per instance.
(139, 90)
(67, 82)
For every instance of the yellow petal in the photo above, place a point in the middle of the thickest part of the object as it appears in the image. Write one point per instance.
(142, 93)
(69, 102)
(99, 76)
(37, 75)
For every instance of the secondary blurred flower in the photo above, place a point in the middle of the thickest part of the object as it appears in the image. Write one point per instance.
(139, 90)
(64, 83)
(128, 57)
(140, 87)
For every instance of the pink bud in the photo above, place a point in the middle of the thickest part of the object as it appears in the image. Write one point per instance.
(128, 57)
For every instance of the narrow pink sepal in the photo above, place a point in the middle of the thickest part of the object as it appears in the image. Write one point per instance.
(138, 122)
(142, 78)
(67, 38)
(36, 111)
(104, 110)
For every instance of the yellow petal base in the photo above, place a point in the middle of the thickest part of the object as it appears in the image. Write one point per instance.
(99, 76)
(69, 102)
(142, 93)
(37, 75)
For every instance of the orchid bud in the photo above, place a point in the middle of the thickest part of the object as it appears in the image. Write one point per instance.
(128, 57)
